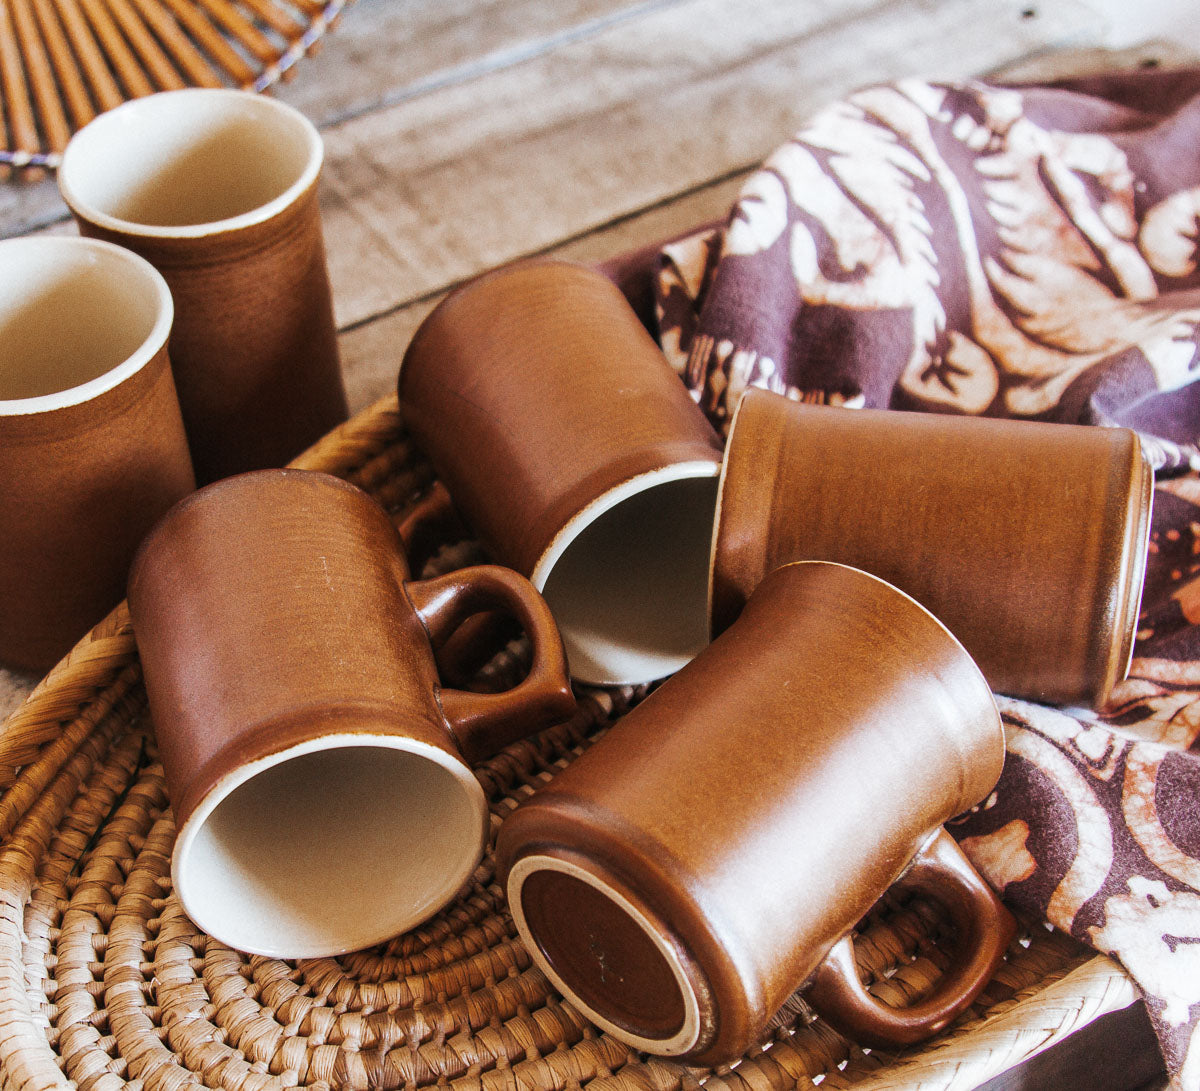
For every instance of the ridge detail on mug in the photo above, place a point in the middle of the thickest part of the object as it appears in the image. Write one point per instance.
(92, 446)
(828, 734)
(217, 189)
(1027, 539)
(573, 450)
(317, 766)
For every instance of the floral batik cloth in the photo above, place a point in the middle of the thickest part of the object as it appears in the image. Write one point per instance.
(1016, 252)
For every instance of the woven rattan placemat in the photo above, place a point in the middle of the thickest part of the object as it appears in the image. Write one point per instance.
(64, 61)
(105, 983)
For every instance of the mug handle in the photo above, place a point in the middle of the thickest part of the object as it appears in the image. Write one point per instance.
(941, 872)
(482, 723)
(433, 519)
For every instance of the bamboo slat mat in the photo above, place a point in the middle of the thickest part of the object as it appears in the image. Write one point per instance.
(105, 983)
(62, 62)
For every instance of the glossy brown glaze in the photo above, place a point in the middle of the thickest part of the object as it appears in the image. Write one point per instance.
(80, 483)
(1028, 540)
(275, 621)
(741, 820)
(546, 408)
(254, 348)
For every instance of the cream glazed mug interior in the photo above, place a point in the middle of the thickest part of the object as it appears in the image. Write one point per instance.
(77, 317)
(92, 448)
(136, 168)
(626, 576)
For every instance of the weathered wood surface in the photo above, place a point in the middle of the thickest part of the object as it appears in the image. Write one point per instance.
(423, 194)
(465, 133)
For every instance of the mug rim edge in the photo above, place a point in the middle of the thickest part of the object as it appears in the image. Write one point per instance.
(154, 342)
(233, 780)
(262, 214)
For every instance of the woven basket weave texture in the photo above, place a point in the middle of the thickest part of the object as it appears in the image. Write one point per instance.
(105, 983)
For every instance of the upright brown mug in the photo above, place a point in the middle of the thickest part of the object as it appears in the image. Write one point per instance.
(92, 447)
(573, 450)
(316, 765)
(712, 853)
(1027, 539)
(217, 189)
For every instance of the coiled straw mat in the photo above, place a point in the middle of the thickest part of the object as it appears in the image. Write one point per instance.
(64, 61)
(104, 983)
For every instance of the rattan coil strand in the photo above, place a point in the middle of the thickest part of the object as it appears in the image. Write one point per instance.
(104, 983)
(64, 61)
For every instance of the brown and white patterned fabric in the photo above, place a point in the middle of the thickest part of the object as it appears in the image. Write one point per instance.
(1018, 252)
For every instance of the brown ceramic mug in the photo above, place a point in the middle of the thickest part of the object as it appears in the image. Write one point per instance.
(218, 190)
(573, 450)
(316, 765)
(1027, 539)
(92, 447)
(711, 854)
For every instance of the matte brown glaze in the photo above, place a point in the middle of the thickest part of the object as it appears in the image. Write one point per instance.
(750, 811)
(550, 414)
(273, 610)
(80, 485)
(534, 390)
(1028, 540)
(254, 348)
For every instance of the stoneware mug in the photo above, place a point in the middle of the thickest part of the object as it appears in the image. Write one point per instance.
(92, 447)
(1027, 539)
(711, 854)
(218, 190)
(317, 767)
(573, 450)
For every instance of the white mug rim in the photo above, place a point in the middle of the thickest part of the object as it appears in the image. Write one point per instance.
(79, 146)
(688, 1034)
(194, 823)
(154, 341)
(564, 538)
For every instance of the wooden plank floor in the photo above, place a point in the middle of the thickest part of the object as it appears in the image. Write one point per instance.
(464, 133)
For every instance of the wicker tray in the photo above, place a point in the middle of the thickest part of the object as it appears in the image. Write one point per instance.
(64, 61)
(105, 983)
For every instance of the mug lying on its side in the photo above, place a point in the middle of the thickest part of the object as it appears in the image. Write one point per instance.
(712, 853)
(316, 765)
(574, 451)
(1027, 539)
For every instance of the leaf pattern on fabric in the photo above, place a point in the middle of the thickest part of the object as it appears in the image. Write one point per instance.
(1016, 252)
(1001, 263)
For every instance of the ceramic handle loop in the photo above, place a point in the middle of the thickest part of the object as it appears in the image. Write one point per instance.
(433, 520)
(985, 928)
(482, 723)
